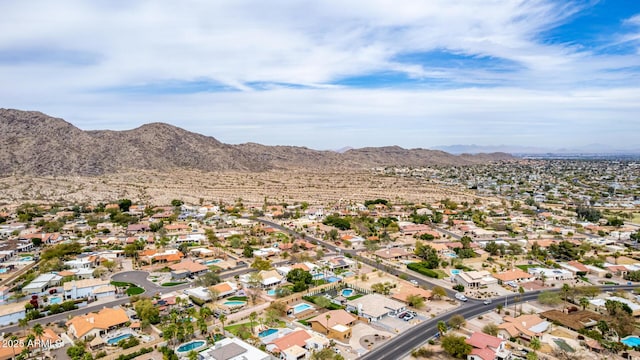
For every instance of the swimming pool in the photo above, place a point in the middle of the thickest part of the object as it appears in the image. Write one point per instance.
(194, 345)
(211, 262)
(271, 292)
(301, 307)
(117, 339)
(267, 332)
(232, 303)
(347, 292)
(332, 279)
(3, 270)
(455, 271)
(452, 255)
(55, 300)
(26, 258)
(631, 341)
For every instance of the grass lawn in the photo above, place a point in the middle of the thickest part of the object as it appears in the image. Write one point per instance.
(237, 298)
(173, 283)
(134, 290)
(636, 218)
(526, 267)
(121, 284)
(355, 297)
(441, 273)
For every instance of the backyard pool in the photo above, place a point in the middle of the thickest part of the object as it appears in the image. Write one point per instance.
(194, 345)
(234, 303)
(631, 341)
(271, 292)
(455, 271)
(301, 307)
(267, 332)
(117, 339)
(3, 270)
(211, 262)
(333, 279)
(347, 292)
(452, 255)
(26, 258)
(55, 300)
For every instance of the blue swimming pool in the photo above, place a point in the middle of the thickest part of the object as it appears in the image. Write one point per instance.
(455, 271)
(301, 307)
(234, 303)
(631, 341)
(191, 345)
(347, 292)
(452, 255)
(211, 262)
(271, 292)
(55, 300)
(26, 258)
(267, 332)
(117, 339)
(333, 279)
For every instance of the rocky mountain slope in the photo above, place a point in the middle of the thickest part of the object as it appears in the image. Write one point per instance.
(34, 143)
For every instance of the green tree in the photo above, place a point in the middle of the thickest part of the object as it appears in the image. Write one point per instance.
(429, 254)
(147, 312)
(535, 343)
(124, 205)
(415, 300)
(442, 327)
(299, 275)
(261, 264)
(177, 203)
(456, 321)
(584, 302)
(438, 292)
(456, 346)
(492, 248)
(252, 318)
(38, 331)
(491, 329)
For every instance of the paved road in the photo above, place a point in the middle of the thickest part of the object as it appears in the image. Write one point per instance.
(400, 346)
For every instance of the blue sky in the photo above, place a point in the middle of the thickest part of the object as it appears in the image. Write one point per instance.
(328, 74)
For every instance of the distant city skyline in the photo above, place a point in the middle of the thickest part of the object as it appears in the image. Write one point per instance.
(329, 74)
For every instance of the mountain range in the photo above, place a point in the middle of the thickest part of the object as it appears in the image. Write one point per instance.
(517, 149)
(36, 144)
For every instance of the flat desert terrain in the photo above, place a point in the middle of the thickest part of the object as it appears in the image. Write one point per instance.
(195, 187)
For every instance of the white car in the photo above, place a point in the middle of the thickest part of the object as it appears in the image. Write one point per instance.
(487, 302)
(461, 297)
(414, 282)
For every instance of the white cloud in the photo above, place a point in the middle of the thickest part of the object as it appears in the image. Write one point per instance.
(128, 44)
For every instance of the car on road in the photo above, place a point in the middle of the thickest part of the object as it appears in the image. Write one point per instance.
(487, 302)
(414, 282)
(461, 297)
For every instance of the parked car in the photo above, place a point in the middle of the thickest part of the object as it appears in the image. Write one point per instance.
(461, 297)
(53, 291)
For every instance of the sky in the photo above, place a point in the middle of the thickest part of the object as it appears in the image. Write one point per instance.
(332, 73)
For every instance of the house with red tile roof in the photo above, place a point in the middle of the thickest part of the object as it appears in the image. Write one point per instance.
(513, 275)
(296, 338)
(487, 347)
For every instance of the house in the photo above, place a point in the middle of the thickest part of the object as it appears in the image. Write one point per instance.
(77, 289)
(403, 291)
(200, 292)
(375, 306)
(393, 253)
(336, 324)
(523, 326)
(600, 303)
(487, 347)
(576, 321)
(41, 283)
(269, 278)
(97, 324)
(296, 340)
(11, 313)
(192, 268)
(513, 276)
(233, 349)
(224, 289)
(474, 279)
(340, 262)
(551, 274)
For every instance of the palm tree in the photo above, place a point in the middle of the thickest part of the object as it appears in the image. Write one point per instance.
(23, 323)
(584, 302)
(328, 316)
(252, 317)
(535, 343)
(222, 319)
(192, 355)
(499, 308)
(14, 340)
(38, 331)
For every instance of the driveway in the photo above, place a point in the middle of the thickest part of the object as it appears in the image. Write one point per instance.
(140, 278)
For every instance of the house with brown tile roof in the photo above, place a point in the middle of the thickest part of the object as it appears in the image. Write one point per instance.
(193, 268)
(523, 326)
(393, 253)
(515, 275)
(402, 292)
(337, 326)
(96, 324)
(295, 338)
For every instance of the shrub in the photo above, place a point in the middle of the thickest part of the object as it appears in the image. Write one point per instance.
(422, 269)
